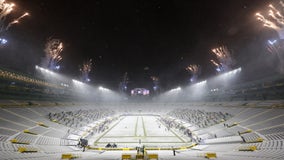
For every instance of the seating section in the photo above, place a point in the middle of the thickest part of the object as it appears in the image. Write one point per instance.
(275, 136)
(260, 131)
(3, 138)
(80, 118)
(199, 118)
(251, 137)
(24, 137)
(31, 133)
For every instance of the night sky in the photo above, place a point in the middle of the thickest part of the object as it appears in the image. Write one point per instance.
(142, 37)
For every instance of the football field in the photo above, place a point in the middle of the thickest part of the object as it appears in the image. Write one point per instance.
(133, 131)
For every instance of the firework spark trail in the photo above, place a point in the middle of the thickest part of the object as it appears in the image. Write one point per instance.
(218, 66)
(193, 68)
(276, 15)
(6, 9)
(16, 20)
(266, 22)
(282, 4)
(215, 63)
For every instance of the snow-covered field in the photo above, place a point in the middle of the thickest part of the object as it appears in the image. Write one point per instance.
(134, 131)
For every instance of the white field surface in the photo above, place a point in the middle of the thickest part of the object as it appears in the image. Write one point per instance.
(148, 130)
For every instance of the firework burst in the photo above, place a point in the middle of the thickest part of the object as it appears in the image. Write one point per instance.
(273, 18)
(53, 49)
(156, 82)
(195, 70)
(86, 69)
(16, 20)
(124, 82)
(6, 9)
(224, 57)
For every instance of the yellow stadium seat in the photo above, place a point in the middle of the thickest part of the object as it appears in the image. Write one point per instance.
(247, 131)
(210, 155)
(29, 132)
(259, 139)
(25, 149)
(66, 156)
(125, 156)
(22, 149)
(153, 156)
(248, 148)
(42, 124)
(139, 156)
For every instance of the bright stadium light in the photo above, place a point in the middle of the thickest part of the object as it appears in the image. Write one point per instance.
(57, 67)
(53, 77)
(201, 83)
(272, 42)
(103, 89)
(64, 84)
(3, 41)
(232, 73)
(224, 80)
(76, 82)
(44, 70)
(175, 89)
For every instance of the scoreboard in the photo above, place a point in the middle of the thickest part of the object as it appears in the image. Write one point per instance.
(140, 92)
